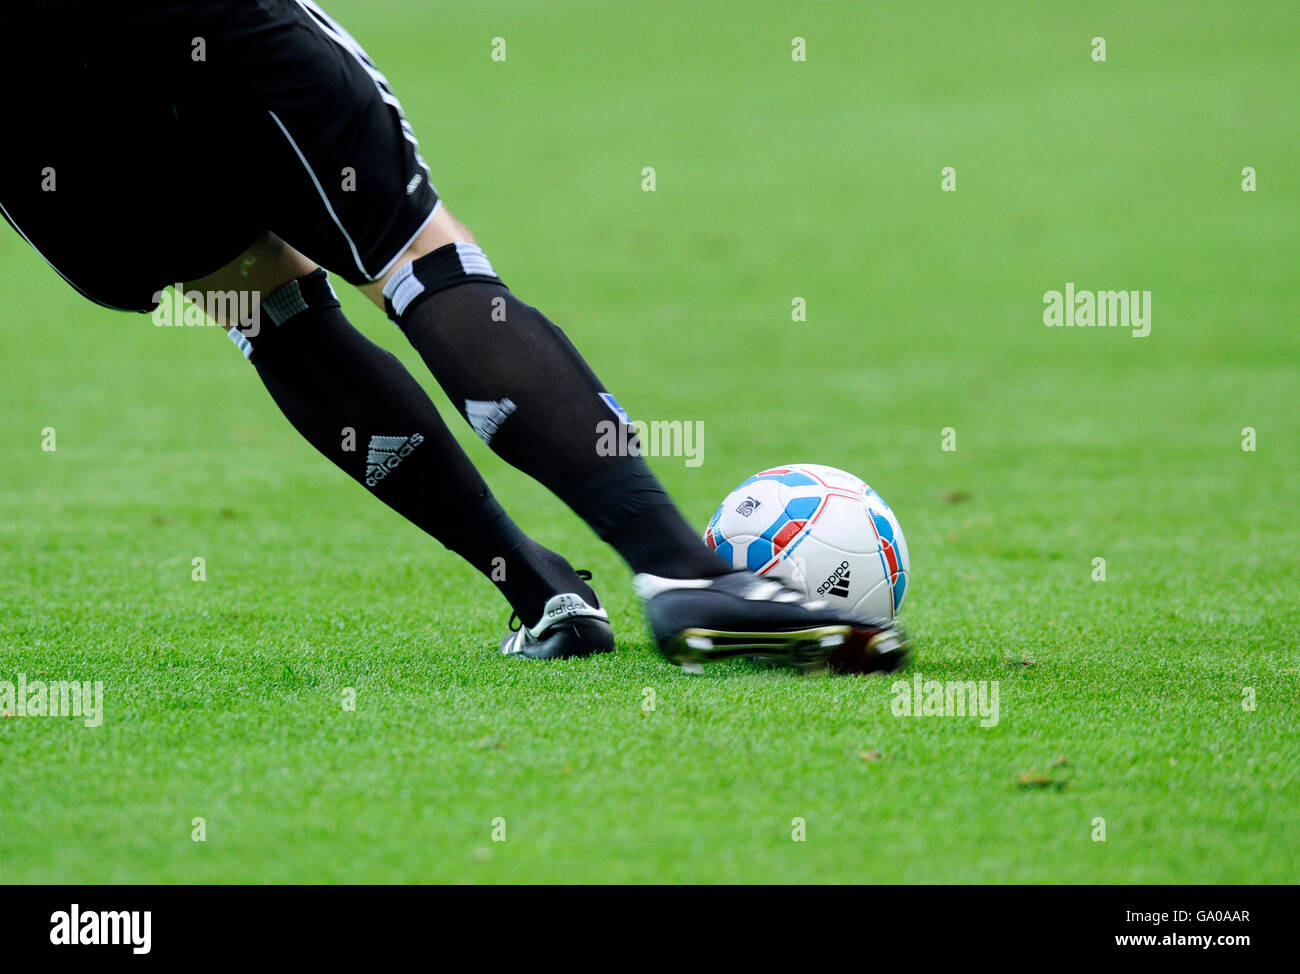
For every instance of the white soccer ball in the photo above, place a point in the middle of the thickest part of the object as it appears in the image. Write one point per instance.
(819, 530)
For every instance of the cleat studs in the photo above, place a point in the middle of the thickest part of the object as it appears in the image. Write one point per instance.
(693, 668)
(883, 642)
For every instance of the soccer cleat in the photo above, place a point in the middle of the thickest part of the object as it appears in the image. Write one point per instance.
(569, 628)
(701, 620)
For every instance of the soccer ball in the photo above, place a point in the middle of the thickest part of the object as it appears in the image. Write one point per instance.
(818, 530)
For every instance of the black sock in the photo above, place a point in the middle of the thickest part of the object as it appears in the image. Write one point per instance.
(532, 398)
(360, 407)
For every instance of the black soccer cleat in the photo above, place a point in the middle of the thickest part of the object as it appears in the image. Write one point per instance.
(569, 628)
(701, 620)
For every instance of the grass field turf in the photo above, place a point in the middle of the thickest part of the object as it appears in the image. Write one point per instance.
(775, 179)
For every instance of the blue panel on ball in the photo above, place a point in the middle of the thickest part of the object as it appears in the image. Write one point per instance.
(758, 554)
(725, 551)
(801, 508)
(770, 531)
(793, 479)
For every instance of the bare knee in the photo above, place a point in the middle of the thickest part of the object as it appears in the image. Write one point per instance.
(447, 229)
(443, 229)
(268, 264)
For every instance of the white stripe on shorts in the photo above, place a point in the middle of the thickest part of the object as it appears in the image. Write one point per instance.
(336, 32)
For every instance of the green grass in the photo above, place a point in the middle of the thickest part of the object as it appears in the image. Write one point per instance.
(775, 179)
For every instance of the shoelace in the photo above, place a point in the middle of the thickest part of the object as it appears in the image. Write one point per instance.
(516, 623)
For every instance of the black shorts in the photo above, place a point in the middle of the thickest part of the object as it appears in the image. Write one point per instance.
(150, 142)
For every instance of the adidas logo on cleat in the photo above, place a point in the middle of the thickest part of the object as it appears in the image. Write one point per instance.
(837, 583)
(386, 453)
(564, 605)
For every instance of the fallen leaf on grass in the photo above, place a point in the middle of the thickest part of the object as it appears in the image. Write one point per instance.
(1033, 779)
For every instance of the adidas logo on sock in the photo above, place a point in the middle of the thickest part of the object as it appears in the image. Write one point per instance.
(487, 415)
(386, 453)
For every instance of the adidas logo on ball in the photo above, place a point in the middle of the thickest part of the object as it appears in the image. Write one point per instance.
(837, 583)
